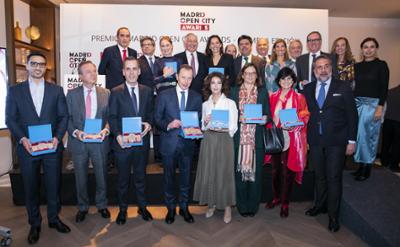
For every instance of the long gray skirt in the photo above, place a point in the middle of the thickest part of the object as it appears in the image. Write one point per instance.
(215, 177)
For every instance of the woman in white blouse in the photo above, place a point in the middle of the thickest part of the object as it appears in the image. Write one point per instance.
(215, 181)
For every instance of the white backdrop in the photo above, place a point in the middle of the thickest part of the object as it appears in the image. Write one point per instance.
(86, 29)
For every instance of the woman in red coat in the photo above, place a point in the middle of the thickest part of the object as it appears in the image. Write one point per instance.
(288, 165)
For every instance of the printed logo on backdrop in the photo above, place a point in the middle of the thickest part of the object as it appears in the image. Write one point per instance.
(75, 58)
(195, 21)
(72, 81)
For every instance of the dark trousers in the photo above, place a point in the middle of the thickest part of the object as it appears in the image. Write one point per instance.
(390, 154)
(183, 157)
(328, 163)
(125, 159)
(30, 171)
(282, 177)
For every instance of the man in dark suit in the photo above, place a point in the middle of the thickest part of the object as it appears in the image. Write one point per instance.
(245, 48)
(173, 147)
(37, 102)
(331, 133)
(262, 47)
(304, 62)
(88, 102)
(195, 59)
(131, 99)
(113, 56)
(147, 61)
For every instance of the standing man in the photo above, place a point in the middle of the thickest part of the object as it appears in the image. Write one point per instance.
(245, 44)
(174, 148)
(147, 61)
(88, 102)
(113, 57)
(295, 49)
(195, 59)
(36, 102)
(262, 47)
(304, 63)
(131, 99)
(331, 133)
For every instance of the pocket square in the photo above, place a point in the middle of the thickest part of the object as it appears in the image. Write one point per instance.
(337, 94)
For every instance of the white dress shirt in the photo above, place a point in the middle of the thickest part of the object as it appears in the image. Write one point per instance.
(178, 93)
(310, 60)
(93, 97)
(189, 59)
(136, 93)
(223, 103)
(37, 93)
(153, 58)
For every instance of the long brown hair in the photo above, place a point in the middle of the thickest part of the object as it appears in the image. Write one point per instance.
(348, 55)
(274, 57)
(240, 76)
(207, 84)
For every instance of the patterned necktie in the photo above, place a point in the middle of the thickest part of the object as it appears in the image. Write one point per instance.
(321, 95)
(123, 54)
(134, 102)
(88, 104)
(313, 78)
(151, 65)
(193, 65)
(183, 100)
(246, 60)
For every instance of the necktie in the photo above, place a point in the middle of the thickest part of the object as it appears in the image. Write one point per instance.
(123, 54)
(246, 60)
(183, 100)
(313, 78)
(193, 65)
(134, 102)
(321, 95)
(151, 65)
(88, 104)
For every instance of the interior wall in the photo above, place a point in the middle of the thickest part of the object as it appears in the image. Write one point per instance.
(22, 15)
(386, 31)
(3, 41)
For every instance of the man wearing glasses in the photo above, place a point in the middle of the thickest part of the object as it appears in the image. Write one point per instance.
(304, 63)
(37, 102)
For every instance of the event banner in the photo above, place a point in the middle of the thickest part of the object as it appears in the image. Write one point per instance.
(86, 29)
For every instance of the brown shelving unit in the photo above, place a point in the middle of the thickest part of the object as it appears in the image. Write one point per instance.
(22, 44)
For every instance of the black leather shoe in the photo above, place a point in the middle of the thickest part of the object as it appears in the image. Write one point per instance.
(121, 218)
(186, 215)
(146, 215)
(358, 171)
(60, 226)
(104, 213)
(365, 173)
(251, 214)
(170, 218)
(34, 234)
(80, 216)
(243, 214)
(314, 211)
(333, 225)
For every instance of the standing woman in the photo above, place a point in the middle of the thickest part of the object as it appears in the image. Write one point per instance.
(341, 53)
(279, 59)
(288, 166)
(164, 77)
(371, 87)
(217, 58)
(215, 177)
(248, 141)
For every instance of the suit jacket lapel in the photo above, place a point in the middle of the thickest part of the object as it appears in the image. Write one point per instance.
(81, 101)
(142, 100)
(119, 54)
(127, 95)
(46, 97)
(329, 95)
(314, 87)
(100, 101)
(28, 97)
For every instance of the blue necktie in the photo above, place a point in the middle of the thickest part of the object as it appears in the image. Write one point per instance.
(182, 100)
(321, 95)
(151, 65)
(134, 102)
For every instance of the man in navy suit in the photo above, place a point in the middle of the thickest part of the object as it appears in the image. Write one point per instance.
(174, 148)
(195, 59)
(331, 134)
(113, 56)
(131, 99)
(147, 61)
(37, 102)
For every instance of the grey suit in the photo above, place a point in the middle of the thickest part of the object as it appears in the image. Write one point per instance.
(81, 152)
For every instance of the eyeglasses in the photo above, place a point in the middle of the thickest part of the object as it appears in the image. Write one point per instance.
(37, 64)
(313, 40)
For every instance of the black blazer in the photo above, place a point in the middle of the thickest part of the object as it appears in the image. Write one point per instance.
(120, 106)
(197, 83)
(338, 115)
(21, 113)
(146, 75)
(226, 62)
(111, 65)
(302, 65)
(256, 60)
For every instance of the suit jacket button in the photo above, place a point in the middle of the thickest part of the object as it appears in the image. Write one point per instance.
(320, 111)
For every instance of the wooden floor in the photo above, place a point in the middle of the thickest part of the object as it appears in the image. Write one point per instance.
(265, 229)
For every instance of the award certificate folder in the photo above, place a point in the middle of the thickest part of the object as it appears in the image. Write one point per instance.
(132, 131)
(216, 69)
(253, 114)
(173, 65)
(190, 125)
(219, 120)
(92, 129)
(41, 139)
(289, 118)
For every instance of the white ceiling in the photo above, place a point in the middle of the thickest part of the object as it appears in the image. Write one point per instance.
(337, 8)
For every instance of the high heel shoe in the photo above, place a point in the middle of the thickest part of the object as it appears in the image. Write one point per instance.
(210, 212)
(228, 215)
(272, 204)
(284, 210)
